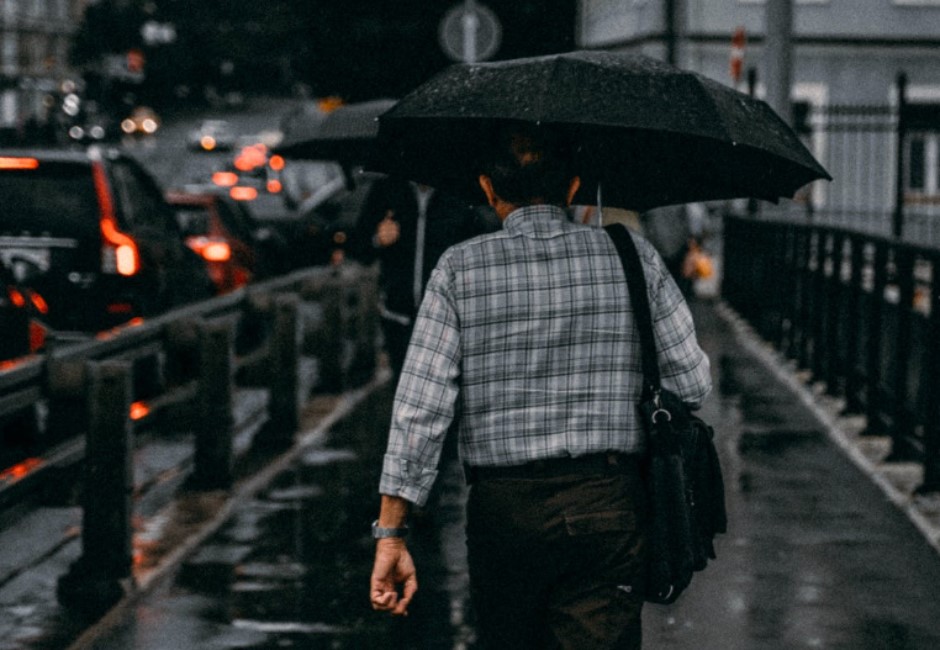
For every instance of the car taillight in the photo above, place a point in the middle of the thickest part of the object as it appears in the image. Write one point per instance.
(37, 335)
(119, 251)
(211, 250)
(225, 179)
(10, 162)
(243, 193)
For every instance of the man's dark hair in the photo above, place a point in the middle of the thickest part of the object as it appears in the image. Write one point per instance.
(528, 164)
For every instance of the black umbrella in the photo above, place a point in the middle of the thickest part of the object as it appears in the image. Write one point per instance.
(649, 133)
(346, 134)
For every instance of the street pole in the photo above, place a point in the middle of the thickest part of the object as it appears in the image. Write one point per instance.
(470, 24)
(671, 32)
(778, 56)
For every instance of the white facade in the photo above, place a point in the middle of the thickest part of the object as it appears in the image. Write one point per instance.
(35, 36)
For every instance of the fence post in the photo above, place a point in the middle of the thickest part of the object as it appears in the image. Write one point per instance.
(931, 379)
(101, 576)
(873, 413)
(854, 384)
(898, 217)
(835, 366)
(903, 414)
(213, 455)
(284, 366)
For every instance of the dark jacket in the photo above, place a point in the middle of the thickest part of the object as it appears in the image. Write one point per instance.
(449, 221)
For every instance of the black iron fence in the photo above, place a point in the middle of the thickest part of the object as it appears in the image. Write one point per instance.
(860, 312)
(885, 164)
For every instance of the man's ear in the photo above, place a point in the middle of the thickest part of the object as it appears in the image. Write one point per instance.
(573, 189)
(487, 186)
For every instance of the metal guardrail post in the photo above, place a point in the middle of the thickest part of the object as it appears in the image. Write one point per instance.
(213, 454)
(363, 362)
(100, 577)
(330, 339)
(284, 414)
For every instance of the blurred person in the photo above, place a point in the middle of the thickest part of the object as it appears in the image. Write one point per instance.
(525, 344)
(676, 231)
(406, 226)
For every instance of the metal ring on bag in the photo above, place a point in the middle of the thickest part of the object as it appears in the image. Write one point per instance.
(657, 412)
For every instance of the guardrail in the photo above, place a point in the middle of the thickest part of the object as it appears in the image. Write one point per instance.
(861, 313)
(227, 375)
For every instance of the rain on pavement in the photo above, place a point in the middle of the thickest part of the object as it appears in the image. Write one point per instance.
(815, 556)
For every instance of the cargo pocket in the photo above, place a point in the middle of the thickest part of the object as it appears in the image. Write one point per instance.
(610, 521)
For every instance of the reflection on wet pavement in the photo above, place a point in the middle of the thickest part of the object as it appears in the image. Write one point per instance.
(814, 558)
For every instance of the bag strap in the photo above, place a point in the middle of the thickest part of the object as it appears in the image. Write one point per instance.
(636, 284)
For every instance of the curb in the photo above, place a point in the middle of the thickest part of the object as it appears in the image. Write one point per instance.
(896, 480)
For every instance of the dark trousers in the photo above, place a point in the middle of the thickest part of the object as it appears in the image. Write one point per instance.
(558, 562)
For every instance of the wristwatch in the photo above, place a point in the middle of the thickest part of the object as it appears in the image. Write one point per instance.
(382, 533)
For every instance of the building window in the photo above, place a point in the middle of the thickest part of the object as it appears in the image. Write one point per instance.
(923, 165)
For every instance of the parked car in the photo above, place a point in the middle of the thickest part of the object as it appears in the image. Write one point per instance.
(91, 232)
(212, 135)
(22, 311)
(235, 248)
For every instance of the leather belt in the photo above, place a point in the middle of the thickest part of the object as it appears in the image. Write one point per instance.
(587, 465)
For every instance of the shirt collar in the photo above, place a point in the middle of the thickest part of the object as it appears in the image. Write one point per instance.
(535, 220)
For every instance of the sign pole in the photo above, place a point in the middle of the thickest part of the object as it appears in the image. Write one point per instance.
(470, 23)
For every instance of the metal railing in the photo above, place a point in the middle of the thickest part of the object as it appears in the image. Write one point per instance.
(229, 374)
(860, 312)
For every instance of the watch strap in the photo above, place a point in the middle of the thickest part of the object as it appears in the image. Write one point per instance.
(382, 533)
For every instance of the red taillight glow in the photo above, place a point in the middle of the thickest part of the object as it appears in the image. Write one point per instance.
(39, 302)
(16, 297)
(276, 163)
(126, 259)
(274, 186)
(250, 157)
(8, 162)
(120, 308)
(211, 250)
(242, 193)
(18, 471)
(225, 179)
(37, 335)
(139, 410)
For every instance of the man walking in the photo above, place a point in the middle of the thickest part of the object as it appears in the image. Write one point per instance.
(526, 339)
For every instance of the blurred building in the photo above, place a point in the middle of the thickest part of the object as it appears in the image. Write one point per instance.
(35, 39)
(844, 51)
(847, 59)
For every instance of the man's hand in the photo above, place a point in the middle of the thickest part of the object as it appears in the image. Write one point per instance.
(388, 230)
(393, 566)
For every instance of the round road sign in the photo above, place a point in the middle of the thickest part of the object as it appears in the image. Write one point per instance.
(470, 32)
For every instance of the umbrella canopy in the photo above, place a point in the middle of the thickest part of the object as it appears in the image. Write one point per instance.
(649, 133)
(346, 134)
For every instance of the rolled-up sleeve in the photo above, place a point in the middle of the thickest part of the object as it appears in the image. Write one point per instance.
(426, 396)
(683, 365)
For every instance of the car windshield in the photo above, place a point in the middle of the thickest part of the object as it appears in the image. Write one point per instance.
(55, 199)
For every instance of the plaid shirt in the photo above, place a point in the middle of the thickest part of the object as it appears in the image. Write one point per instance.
(525, 337)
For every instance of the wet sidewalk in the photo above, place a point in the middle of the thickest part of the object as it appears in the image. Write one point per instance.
(817, 556)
